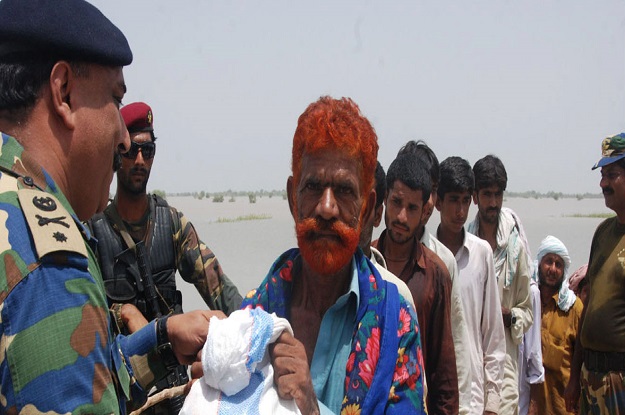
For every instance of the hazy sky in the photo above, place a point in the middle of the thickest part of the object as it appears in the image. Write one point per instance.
(538, 83)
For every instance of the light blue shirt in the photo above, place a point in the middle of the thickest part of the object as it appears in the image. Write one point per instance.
(334, 344)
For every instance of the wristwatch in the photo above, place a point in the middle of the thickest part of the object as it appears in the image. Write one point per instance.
(163, 347)
(512, 318)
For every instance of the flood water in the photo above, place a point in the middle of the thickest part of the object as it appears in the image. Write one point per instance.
(247, 248)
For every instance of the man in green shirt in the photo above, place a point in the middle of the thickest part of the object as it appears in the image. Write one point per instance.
(600, 361)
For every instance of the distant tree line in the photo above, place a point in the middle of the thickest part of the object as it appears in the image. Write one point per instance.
(230, 195)
(553, 195)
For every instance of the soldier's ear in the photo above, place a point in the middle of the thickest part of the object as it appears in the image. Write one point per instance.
(62, 83)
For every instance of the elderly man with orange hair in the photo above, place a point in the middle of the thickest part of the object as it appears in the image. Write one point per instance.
(342, 312)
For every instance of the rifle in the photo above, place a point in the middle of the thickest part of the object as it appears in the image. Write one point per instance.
(151, 296)
(178, 376)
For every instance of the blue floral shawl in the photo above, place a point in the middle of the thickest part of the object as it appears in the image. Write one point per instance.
(375, 383)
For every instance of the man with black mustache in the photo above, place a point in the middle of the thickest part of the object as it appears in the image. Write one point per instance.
(600, 345)
(409, 186)
(459, 330)
(367, 233)
(502, 229)
(171, 243)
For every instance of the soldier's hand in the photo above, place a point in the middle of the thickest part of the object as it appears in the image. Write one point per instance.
(187, 333)
(132, 318)
(292, 374)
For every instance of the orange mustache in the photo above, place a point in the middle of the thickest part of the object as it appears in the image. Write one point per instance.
(326, 246)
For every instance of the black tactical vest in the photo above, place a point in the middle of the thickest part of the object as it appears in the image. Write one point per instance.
(120, 270)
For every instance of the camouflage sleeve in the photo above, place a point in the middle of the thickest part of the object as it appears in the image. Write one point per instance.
(199, 266)
(137, 363)
(58, 355)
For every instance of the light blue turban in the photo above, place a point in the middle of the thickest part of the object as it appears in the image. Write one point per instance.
(552, 245)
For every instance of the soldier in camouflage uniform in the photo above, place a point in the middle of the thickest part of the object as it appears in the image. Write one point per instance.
(598, 366)
(170, 240)
(61, 84)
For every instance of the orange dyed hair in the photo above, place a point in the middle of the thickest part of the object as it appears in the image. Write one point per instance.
(336, 124)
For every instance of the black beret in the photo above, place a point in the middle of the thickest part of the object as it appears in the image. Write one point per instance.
(68, 29)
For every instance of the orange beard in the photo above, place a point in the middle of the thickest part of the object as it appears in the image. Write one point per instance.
(326, 255)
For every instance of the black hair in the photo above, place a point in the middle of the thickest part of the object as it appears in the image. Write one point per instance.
(22, 78)
(425, 155)
(407, 169)
(490, 171)
(456, 176)
(20, 86)
(380, 185)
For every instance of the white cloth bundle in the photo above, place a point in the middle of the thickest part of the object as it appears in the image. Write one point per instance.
(238, 375)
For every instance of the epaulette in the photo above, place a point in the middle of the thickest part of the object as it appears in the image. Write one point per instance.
(51, 225)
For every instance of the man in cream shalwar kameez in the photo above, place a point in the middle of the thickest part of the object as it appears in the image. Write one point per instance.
(503, 230)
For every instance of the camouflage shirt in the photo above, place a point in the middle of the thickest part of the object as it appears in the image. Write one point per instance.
(172, 244)
(57, 354)
(198, 265)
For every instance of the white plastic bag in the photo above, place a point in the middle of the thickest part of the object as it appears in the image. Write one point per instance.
(238, 376)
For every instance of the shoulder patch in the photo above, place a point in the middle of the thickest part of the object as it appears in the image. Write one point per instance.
(51, 225)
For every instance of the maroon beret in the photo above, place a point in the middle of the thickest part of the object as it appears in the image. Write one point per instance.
(138, 117)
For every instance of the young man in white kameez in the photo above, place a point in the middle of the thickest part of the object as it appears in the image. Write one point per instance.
(478, 284)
